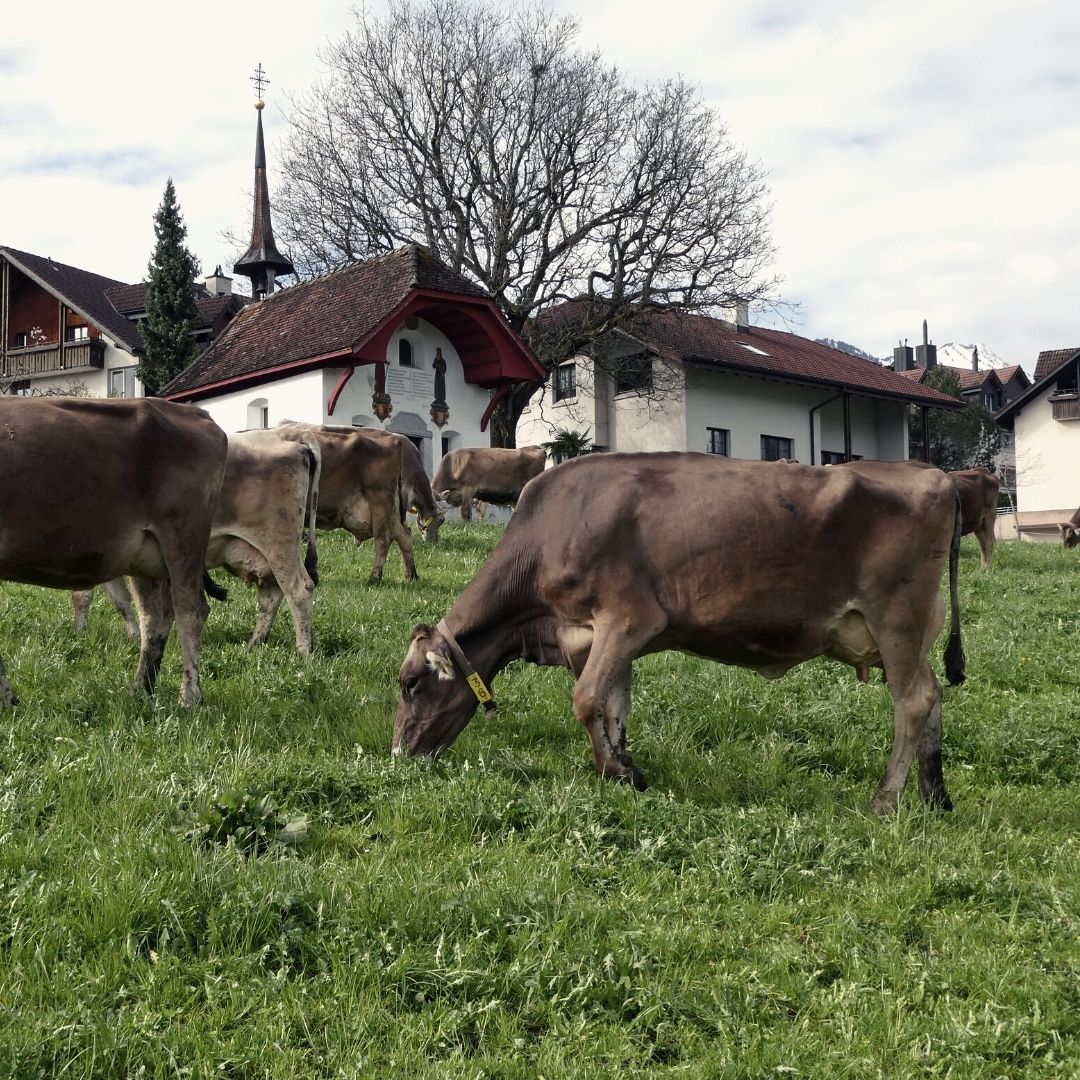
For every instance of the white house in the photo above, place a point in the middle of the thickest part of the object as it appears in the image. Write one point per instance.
(364, 345)
(1045, 424)
(63, 328)
(690, 382)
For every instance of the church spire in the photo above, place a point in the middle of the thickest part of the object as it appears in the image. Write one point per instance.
(262, 262)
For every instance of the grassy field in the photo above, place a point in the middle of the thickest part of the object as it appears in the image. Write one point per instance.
(505, 914)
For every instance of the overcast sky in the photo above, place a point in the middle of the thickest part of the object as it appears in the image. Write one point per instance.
(922, 157)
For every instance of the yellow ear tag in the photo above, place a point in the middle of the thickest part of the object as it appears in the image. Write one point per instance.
(483, 694)
(427, 523)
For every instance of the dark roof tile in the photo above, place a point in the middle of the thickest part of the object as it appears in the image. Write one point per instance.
(320, 317)
(711, 342)
(84, 291)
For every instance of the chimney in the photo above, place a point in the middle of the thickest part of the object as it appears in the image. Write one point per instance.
(903, 357)
(974, 357)
(738, 314)
(925, 354)
(218, 283)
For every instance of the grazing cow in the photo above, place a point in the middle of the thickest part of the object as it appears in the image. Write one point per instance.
(361, 489)
(1069, 530)
(92, 490)
(978, 491)
(271, 488)
(415, 486)
(490, 474)
(782, 564)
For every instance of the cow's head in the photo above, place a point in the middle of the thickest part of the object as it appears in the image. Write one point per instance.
(435, 702)
(429, 528)
(1069, 535)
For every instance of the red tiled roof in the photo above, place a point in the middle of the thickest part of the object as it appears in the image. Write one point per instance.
(83, 291)
(320, 318)
(699, 339)
(1005, 374)
(1050, 360)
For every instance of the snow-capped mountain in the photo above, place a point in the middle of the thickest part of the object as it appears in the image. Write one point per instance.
(852, 350)
(959, 355)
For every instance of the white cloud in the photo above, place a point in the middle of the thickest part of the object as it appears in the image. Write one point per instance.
(920, 155)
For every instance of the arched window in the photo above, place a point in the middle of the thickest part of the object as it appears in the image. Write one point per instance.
(258, 413)
(404, 352)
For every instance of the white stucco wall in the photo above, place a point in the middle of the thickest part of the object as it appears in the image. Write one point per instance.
(744, 406)
(298, 397)
(412, 390)
(1047, 454)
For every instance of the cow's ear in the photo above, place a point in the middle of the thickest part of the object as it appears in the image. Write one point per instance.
(420, 631)
(441, 664)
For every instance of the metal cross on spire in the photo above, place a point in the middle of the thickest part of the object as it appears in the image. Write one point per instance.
(260, 80)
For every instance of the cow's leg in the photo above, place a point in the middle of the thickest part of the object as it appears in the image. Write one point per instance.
(916, 697)
(187, 570)
(154, 602)
(984, 533)
(931, 777)
(403, 539)
(293, 580)
(270, 597)
(81, 602)
(7, 695)
(117, 592)
(602, 695)
(466, 504)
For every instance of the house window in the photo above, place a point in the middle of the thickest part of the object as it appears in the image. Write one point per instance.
(565, 382)
(775, 447)
(258, 413)
(20, 388)
(404, 352)
(77, 333)
(634, 374)
(20, 341)
(834, 457)
(716, 441)
(122, 382)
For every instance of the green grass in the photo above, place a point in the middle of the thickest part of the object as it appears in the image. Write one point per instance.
(505, 914)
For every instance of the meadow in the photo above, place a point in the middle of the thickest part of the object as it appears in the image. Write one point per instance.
(254, 889)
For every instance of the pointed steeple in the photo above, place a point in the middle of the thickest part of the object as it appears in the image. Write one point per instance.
(262, 262)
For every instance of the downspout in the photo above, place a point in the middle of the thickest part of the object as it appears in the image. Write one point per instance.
(847, 426)
(812, 411)
(926, 433)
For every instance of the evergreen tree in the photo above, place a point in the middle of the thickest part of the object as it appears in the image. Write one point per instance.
(958, 440)
(171, 313)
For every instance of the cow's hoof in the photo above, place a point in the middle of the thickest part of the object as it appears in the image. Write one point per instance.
(885, 802)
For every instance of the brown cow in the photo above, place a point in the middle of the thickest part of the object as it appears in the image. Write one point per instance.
(415, 486)
(361, 489)
(490, 474)
(978, 491)
(92, 490)
(270, 488)
(118, 595)
(1069, 530)
(788, 563)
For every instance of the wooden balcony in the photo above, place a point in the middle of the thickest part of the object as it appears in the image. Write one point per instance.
(36, 361)
(1065, 407)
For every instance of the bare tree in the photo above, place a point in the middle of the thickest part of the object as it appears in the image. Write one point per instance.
(529, 165)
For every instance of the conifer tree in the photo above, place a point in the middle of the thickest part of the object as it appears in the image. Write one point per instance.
(171, 313)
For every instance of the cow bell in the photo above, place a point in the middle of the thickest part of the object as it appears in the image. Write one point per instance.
(382, 406)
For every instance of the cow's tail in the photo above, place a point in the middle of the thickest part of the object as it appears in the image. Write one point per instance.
(212, 588)
(311, 559)
(955, 660)
(403, 499)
